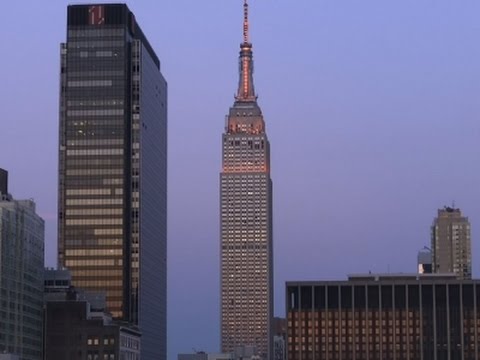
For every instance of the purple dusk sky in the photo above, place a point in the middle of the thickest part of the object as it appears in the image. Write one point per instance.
(372, 110)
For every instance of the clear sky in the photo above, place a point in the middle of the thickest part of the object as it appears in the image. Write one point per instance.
(372, 110)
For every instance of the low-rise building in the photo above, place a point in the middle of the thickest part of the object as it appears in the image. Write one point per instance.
(76, 330)
(389, 316)
(239, 353)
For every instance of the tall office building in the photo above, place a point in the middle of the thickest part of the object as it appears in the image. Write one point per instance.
(246, 218)
(113, 167)
(451, 249)
(21, 276)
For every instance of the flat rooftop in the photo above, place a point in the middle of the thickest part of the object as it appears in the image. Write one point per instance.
(386, 278)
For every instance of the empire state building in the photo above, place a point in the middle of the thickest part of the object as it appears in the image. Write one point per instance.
(246, 218)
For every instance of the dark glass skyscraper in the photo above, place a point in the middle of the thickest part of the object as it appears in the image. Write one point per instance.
(113, 167)
(246, 219)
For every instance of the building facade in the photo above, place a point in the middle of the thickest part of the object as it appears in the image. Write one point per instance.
(451, 245)
(21, 277)
(73, 330)
(113, 167)
(246, 219)
(56, 281)
(279, 350)
(424, 261)
(3, 181)
(397, 317)
(279, 338)
(239, 353)
(196, 356)
(9, 357)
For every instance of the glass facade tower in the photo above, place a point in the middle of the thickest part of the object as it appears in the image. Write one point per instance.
(246, 219)
(21, 277)
(112, 167)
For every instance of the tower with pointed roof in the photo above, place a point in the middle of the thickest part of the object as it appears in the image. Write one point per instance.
(246, 218)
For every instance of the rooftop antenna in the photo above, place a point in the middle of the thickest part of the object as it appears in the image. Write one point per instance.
(245, 22)
(453, 204)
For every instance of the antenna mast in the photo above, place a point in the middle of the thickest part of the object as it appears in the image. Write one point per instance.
(245, 22)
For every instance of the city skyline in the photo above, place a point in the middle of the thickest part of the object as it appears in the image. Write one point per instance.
(379, 115)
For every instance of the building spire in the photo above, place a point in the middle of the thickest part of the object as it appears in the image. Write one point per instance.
(246, 91)
(245, 22)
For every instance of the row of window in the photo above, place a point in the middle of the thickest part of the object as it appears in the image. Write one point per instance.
(107, 340)
(100, 273)
(101, 283)
(106, 221)
(245, 160)
(243, 178)
(92, 242)
(96, 356)
(94, 44)
(91, 191)
(96, 152)
(238, 198)
(90, 202)
(97, 74)
(93, 172)
(93, 252)
(117, 231)
(236, 214)
(118, 52)
(242, 169)
(95, 32)
(97, 262)
(89, 83)
(91, 212)
(98, 112)
(239, 230)
(108, 162)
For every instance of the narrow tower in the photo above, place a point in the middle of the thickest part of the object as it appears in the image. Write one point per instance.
(246, 218)
(451, 245)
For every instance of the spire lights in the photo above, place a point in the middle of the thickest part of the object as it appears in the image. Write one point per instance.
(245, 22)
(246, 92)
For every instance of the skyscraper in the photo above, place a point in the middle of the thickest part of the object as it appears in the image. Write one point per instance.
(451, 249)
(246, 218)
(112, 167)
(21, 276)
